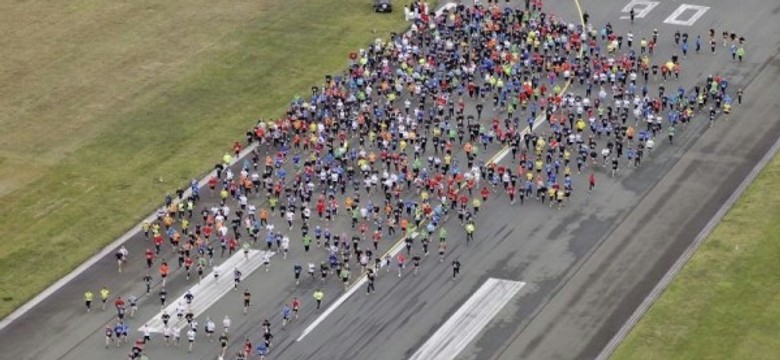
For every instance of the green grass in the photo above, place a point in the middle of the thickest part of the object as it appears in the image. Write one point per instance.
(725, 303)
(103, 98)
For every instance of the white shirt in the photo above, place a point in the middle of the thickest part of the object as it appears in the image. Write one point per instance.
(191, 335)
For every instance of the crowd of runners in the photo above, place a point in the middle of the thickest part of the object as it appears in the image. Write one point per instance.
(468, 108)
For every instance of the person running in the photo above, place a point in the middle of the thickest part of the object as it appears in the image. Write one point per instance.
(416, 263)
(401, 261)
(267, 337)
(286, 312)
(455, 269)
(147, 279)
(167, 334)
(318, 296)
(104, 293)
(262, 351)
(311, 270)
(164, 271)
(163, 297)
(267, 260)
(147, 332)
(345, 275)
(247, 300)
(210, 327)
(121, 258)
(133, 304)
(88, 297)
(190, 338)
(296, 305)
(285, 246)
(370, 279)
(442, 250)
(226, 324)
(109, 333)
(470, 227)
(236, 279)
(176, 336)
(223, 343)
(297, 268)
(591, 182)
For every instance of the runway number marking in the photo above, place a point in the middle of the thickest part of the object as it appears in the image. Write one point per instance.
(684, 15)
(641, 8)
(698, 12)
(469, 320)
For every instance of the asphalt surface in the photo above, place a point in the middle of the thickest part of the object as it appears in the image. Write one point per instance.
(587, 266)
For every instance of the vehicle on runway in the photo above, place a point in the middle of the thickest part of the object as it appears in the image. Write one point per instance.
(383, 6)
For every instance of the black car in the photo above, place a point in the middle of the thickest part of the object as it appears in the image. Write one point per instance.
(383, 6)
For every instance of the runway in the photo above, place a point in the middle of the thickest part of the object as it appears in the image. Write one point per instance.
(585, 268)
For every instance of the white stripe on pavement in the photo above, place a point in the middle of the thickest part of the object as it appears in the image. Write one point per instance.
(112, 247)
(209, 291)
(392, 253)
(463, 326)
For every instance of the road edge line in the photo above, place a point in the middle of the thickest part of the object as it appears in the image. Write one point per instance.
(671, 274)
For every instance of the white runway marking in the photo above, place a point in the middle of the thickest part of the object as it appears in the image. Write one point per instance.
(641, 8)
(674, 18)
(463, 326)
(354, 287)
(209, 291)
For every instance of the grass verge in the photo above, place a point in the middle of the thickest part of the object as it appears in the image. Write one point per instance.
(116, 95)
(725, 303)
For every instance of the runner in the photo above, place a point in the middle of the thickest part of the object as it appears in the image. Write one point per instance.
(370, 279)
(88, 296)
(104, 293)
(416, 263)
(247, 300)
(296, 305)
(133, 304)
(226, 325)
(210, 327)
(109, 333)
(121, 258)
(401, 260)
(286, 312)
(190, 339)
(455, 269)
(236, 278)
(223, 343)
(318, 296)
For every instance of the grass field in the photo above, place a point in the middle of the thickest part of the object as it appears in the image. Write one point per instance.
(725, 303)
(100, 99)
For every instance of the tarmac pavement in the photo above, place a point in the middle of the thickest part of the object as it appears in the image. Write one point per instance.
(586, 267)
